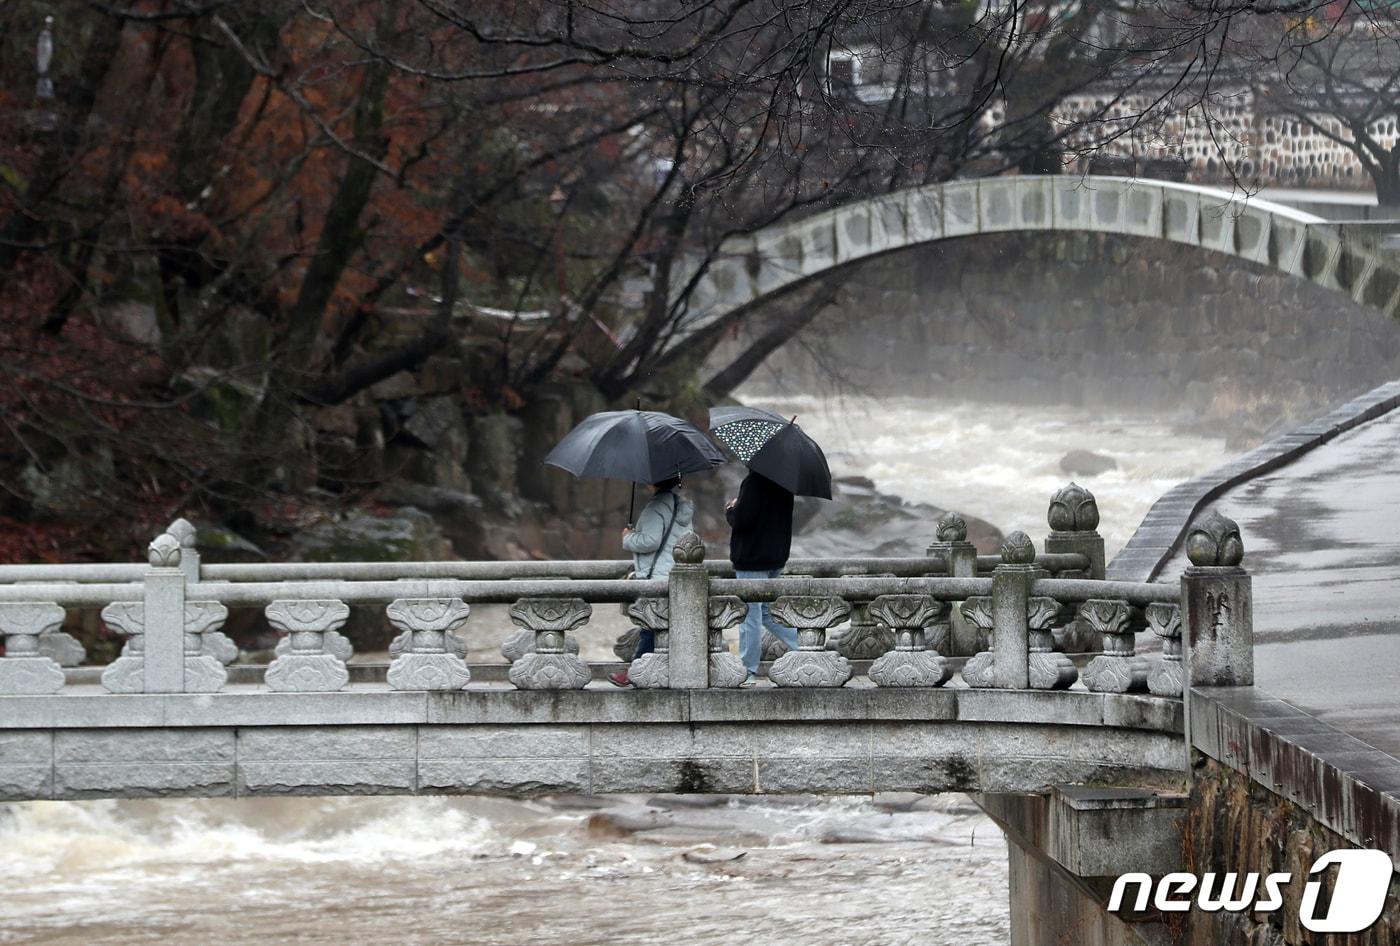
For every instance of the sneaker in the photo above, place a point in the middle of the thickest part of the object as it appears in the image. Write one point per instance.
(619, 679)
(750, 680)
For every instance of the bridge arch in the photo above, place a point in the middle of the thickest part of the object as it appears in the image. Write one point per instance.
(1346, 258)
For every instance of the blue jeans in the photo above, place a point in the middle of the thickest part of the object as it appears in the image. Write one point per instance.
(751, 631)
(646, 642)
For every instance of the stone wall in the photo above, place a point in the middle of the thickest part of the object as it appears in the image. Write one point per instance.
(1094, 318)
(1235, 824)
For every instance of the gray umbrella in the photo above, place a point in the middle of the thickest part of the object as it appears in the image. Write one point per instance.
(773, 447)
(640, 446)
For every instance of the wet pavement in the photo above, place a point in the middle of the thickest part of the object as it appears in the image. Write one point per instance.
(1322, 540)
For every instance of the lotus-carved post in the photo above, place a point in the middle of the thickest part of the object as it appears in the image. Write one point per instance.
(726, 669)
(1073, 516)
(961, 556)
(23, 669)
(1167, 678)
(1047, 670)
(1074, 521)
(1217, 606)
(163, 614)
(811, 665)
(911, 663)
(426, 664)
(652, 671)
(551, 666)
(307, 666)
(688, 590)
(1118, 669)
(216, 643)
(1011, 594)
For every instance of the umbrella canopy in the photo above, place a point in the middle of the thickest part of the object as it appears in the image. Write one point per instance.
(773, 447)
(640, 446)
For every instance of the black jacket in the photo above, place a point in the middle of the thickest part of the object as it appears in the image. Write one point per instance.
(762, 525)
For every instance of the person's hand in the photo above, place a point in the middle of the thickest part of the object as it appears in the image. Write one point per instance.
(626, 531)
(730, 505)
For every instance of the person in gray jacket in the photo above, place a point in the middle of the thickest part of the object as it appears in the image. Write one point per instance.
(664, 519)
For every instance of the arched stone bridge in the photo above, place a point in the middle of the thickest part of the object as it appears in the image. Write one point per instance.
(1348, 258)
(171, 716)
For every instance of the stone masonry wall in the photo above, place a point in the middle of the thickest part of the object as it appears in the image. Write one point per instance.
(1088, 318)
(1235, 824)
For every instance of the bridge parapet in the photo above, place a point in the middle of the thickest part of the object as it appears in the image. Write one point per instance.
(172, 674)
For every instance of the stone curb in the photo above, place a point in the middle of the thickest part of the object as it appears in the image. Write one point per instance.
(1164, 526)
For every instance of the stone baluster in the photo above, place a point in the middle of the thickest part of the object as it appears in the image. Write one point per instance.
(426, 664)
(811, 665)
(216, 644)
(1217, 606)
(1073, 516)
(1167, 677)
(911, 663)
(727, 671)
(688, 590)
(127, 674)
(307, 665)
(551, 666)
(1009, 657)
(24, 669)
(522, 641)
(130, 673)
(59, 646)
(866, 638)
(979, 670)
(1048, 670)
(961, 556)
(1118, 669)
(652, 671)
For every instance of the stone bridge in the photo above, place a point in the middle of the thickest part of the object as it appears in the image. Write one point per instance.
(1350, 257)
(888, 705)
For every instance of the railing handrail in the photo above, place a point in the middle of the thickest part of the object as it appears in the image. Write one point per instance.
(576, 569)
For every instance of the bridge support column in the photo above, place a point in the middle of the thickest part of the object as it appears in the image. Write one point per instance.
(1217, 606)
(689, 614)
(1065, 851)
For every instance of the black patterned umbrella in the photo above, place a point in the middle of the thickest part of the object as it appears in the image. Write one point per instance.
(774, 447)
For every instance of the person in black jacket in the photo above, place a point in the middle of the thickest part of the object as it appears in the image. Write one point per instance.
(761, 537)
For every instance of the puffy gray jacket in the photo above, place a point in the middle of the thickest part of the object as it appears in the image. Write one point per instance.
(652, 545)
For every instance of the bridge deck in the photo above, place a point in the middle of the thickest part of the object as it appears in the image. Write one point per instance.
(1322, 723)
(1323, 540)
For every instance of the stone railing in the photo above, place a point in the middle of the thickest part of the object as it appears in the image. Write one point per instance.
(901, 611)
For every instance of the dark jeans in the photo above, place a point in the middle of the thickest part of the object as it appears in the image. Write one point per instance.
(646, 642)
